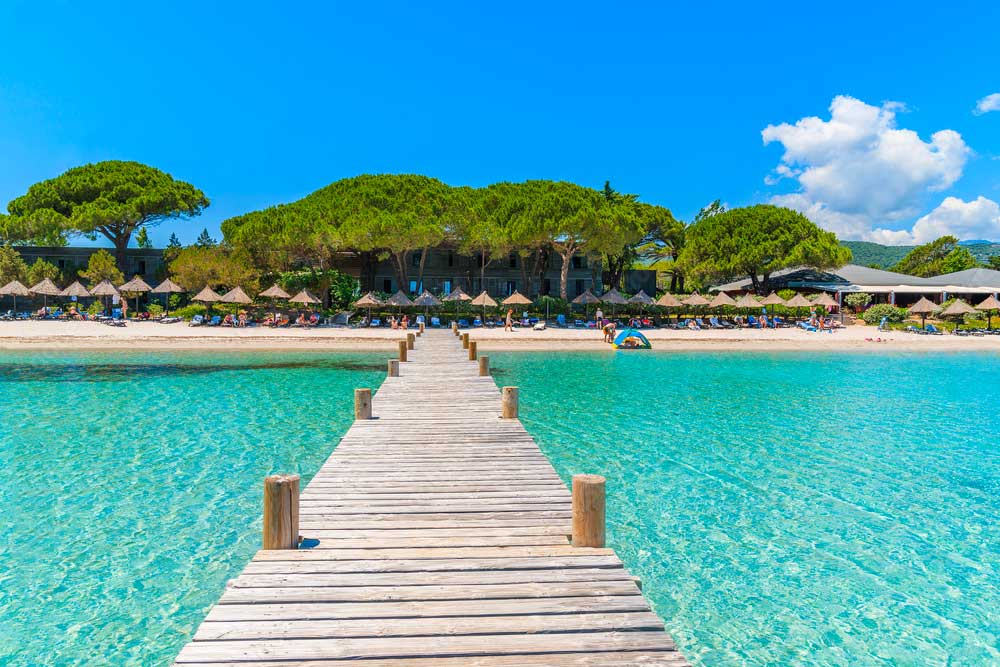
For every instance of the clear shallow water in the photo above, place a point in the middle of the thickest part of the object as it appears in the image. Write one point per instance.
(781, 509)
(788, 509)
(130, 488)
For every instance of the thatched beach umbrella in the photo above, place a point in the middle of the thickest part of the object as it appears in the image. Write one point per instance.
(722, 300)
(103, 290)
(957, 309)
(989, 305)
(46, 288)
(923, 308)
(585, 299)
(14, 289)
(427, 300)
(207, 296)
(695, 301)
(668, 300)
(748, 302)
(368, 301)
(399, 299)
(641, 298)
(615, 298)
(304, 297)
(236, 295)
(75, 289)
(773, 300)
(136, 286)
(517, 299)
(825, 300)
(798, 301)
(167, 287)
(484, 300)
(274, 293)
(458, 296)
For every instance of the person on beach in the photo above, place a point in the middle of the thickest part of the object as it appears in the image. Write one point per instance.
(124, 309)
(599, 317)
(406, 322)
(609, 332)
(508, 324)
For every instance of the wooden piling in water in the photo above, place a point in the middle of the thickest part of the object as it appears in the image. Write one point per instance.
(402, 350)
(281, 512)
(508, 398)
(410, 340)
(472, 350)
(588, 511)
(363, 403)
(484, 366)
(394, 368)
(420, 331)
(465, 341)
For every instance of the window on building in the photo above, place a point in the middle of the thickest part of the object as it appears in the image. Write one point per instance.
(451, 258)
(413, 287)
(578, 262)
(579, 286)
(547, 289)
(511, 287)
(513, 260)
(387, 285)
(447, 286)
(61, 263)
(415, 259)
(142, 267)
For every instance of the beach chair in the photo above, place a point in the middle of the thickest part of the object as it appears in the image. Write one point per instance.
(561, 321)
(197, 321)
(701, 325)
(806, 326)
(580, 324)
(435, 322)
(477, 322)
(933, 330)
(375, 323)
(753, 322)
(215, 321)
(463, 324)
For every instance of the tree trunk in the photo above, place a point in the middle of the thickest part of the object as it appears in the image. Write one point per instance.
(399, 261)
(482, 271)
(420, 271)
(673, 282)
(121, 245)
(567, 257)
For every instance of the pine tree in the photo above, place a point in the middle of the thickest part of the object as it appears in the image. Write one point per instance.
(204, 240)
(142, 239)
(174, 242)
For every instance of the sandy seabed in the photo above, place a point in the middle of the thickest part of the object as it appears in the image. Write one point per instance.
(50, 335)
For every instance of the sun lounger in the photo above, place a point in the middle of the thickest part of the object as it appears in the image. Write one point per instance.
(215, 321)
(933, 330)
(561, 321)
(435, 322)
(477, 322)
(197, 321)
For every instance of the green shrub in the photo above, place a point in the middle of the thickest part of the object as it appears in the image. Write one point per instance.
(154, 309)
(858, 300)
(96, 307)
(187, 312)
(875, 314)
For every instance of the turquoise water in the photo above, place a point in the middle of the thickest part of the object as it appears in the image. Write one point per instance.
(130, 488)
(835, 509)
(820, 509)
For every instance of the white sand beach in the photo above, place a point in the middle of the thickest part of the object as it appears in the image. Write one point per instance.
(49, 335)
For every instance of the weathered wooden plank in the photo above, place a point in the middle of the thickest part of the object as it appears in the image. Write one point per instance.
(451, 578)
(435, 565)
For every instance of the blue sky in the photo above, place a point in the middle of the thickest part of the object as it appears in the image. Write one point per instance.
(258, 103)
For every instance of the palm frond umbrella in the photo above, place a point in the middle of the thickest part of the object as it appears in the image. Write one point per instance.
(166, 288)
(988, 305)
(484, 300)
(773, 300)
(458, 296)
(103, 290)
(585, 299)
(46, 288)
(958, 308)
(136, 286)
(923, 308)
(368, 301)
(615, 298)
(427, 300)
(207, 296)
(14, 289)
(798, 301)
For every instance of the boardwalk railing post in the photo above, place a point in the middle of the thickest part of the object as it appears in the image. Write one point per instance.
(410, 340)
(472, 350)
(363, 403)
(509, 402)
(281, 512)
(484, 366)
(454, 328)
(588, 511)
(402, 350)
(465, 341)
(420, 331)
(394, 368)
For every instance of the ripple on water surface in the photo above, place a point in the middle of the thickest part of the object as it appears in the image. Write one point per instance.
(130, 487)
(834, 509)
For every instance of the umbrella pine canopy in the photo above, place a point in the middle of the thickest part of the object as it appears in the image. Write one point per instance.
(236, 295)
(517, 299)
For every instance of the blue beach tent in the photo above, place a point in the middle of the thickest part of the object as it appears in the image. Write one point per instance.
(630, 339)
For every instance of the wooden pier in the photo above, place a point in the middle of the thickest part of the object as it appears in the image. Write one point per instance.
(436, 534)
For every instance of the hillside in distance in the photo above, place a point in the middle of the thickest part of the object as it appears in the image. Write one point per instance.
(866, 253)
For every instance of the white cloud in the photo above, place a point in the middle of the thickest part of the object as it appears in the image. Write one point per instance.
(976, 219)
(987, 104)
(858, 169)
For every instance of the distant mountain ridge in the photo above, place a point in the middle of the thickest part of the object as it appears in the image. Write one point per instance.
(866, 253)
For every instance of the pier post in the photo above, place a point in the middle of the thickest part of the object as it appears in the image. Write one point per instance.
(363, 403)
(420, 331)
(402, 350)
(394, 368)
(472, 350)
(588, 511)
(281, 512)
(484, 366)
(410, 340)
(465, 341)
(509, 402)
(454, 328)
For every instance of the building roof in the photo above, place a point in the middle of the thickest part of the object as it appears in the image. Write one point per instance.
(834, 280)
(969, 278)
